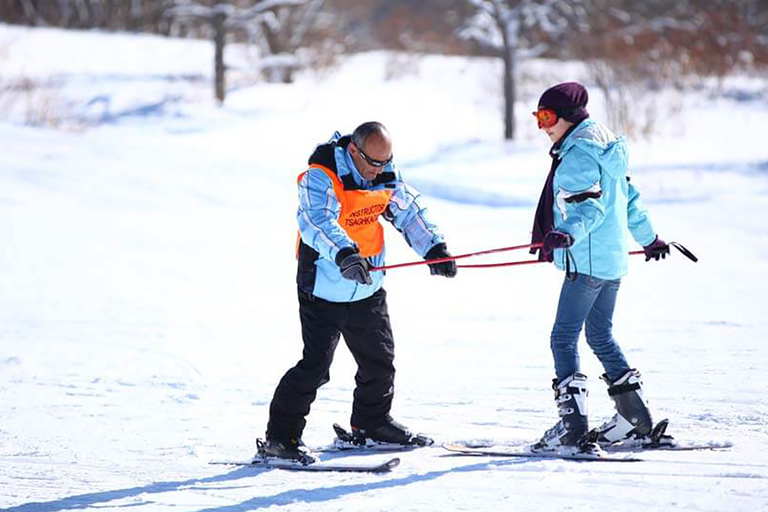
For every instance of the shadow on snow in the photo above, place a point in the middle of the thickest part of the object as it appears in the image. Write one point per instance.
(288, 497)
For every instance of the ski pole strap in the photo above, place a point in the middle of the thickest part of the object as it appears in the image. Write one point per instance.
(688, 254)
(571, 276)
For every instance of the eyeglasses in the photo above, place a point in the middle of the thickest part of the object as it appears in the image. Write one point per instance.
(546, 117)
(373, 161)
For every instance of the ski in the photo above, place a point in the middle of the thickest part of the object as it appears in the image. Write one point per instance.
(320, 466)
(658, 440)
(679, 447)
(344, 442)
(374, 448)
(523, 451)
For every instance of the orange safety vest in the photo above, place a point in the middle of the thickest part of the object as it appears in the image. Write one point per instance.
(359, 216)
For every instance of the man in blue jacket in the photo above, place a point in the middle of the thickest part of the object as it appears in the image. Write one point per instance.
(351, 182)
(585, 211)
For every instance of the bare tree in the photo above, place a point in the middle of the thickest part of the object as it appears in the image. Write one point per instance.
(278, 26)
(280, 30)
(519, 29)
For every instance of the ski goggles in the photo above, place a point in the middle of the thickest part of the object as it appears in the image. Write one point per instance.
(373, 161)
(546, 117)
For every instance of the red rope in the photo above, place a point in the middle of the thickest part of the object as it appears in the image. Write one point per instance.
(460, 256)
(480, 253)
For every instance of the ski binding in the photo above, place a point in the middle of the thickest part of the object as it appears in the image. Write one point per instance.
(658, 440)
(345, 441)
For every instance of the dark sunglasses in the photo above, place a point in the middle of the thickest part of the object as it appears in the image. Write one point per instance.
(372, 161)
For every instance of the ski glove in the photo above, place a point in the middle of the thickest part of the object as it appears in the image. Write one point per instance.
(657, 249)
(555, 240)
(353, 266)
(444, 268)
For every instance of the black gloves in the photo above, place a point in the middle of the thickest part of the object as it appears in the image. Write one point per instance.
(555, 240)
(353, 266)
(656, 249)
(446, 268)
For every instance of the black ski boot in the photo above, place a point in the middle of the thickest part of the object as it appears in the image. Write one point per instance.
(289, 449)
(389, 432)
(632, 421)
(571, 400)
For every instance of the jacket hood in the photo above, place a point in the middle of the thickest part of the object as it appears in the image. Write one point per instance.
(602, 144)
(324, 153)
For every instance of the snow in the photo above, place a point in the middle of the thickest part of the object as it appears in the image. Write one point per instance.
(147, 307)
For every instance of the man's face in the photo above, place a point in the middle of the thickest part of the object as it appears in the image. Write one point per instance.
(377, 150)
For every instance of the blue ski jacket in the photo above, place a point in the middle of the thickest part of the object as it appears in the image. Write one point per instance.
(322, 236)
(596, 203)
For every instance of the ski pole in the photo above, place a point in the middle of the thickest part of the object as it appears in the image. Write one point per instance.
(685, 252)
(460, 256)
(688, 254)
(505, 264)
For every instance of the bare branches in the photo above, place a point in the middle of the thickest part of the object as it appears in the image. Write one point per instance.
(520, 29)
(277, 26)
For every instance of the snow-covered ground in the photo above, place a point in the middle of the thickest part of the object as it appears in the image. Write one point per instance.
(147, 297)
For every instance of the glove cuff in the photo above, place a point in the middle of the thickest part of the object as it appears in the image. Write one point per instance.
(655, 239)
(346, 251)
(438, 251)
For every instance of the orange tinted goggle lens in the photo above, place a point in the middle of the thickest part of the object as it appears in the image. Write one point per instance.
(546, 117)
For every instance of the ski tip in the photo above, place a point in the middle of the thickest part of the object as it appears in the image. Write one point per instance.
(391, 464)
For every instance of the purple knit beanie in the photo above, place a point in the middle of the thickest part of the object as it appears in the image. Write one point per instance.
(568, 100)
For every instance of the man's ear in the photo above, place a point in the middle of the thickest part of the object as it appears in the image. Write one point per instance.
(352, 148)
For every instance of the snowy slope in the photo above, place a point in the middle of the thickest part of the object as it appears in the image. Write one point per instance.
(147, 306)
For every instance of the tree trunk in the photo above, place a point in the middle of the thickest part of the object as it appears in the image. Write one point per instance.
(509, 93)
(136, 16)
(509, 26)
(66, 10)
(219, 33)
(30, 13)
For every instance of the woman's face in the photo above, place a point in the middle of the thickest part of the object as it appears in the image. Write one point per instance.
(556, 131)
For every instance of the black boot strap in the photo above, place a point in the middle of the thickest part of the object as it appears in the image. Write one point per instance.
(620, 389)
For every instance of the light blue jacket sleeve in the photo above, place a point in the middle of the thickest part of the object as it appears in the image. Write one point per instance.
(318, 215)
(409, 216)
(578, 181)
(639, 222)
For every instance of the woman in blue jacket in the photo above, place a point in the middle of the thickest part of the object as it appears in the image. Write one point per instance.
(585, 211)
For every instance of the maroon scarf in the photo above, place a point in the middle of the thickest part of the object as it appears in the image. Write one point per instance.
(544, 220)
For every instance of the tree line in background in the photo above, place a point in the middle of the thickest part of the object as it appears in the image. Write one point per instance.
(626, 43)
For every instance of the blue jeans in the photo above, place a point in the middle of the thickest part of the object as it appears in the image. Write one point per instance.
(591, 300)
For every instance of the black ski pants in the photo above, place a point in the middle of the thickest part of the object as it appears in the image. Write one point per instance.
(368, 334)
